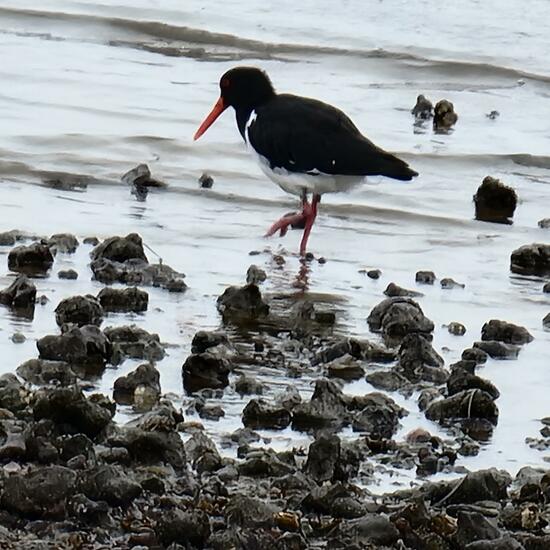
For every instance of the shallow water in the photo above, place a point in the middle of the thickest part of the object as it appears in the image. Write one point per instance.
(93, 89)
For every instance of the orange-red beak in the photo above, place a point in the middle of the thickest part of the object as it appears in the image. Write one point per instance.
(218, 109)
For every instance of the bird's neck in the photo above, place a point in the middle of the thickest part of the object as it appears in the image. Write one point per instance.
(243, 114)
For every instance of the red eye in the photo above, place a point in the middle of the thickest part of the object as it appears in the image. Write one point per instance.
(225, 83)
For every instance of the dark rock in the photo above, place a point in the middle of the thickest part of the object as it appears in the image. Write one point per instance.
(201, 450)
(111, 484)
(204, 340)
(378, 415)
(21, 294)
(494, 201)
(456, 329)
(493, 115)
(247, 511)
(62, 242)
(374, 274)
(397, 317)
(18, 338)
(84, 509)
(246, 385)
(80, 311)
(346, 368)
(94, 241)
(8, 238)
(323, 457)
(447, 283)
(34, 259)
(465, 404)
(12, 393)
(475, 354)
(546, 288)
(370, 530)
(423, 109)
(134, 342)
(290, 398)
(427, 396)
(41, 372)
(531, 259)
(141, 176)
(205, 370)
(444, 116)
(74, 445)
(258, 413)
(69, 407)
(418, 360)
(190, 529)
(503, 331)
(125, 386)
(425, 277)
(326, 408)
(68, 274)
(206, 181)
(498, 350)
(85, 346)
(255, 275)
(126, 300)
(39, 492)
(544, 223)
(546, 321)
(393, 290)
(504, 543)
(472, 526)
(461, 380)
(242, 304)
(387, 380)
(211, 412)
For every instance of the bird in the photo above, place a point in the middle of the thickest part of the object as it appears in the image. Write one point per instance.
(304, 145)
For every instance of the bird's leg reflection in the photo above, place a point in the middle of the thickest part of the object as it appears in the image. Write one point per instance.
(302, 278)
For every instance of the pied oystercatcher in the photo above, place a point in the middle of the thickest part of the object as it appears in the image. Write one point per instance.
(302, 144)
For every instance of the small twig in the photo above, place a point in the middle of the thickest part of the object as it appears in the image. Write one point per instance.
(151, 250)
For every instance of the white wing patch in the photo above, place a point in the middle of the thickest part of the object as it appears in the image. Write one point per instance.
(249, 123)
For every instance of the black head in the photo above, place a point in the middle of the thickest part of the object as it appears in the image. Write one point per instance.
(244, 89)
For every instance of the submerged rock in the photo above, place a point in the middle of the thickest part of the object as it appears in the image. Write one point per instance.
(67, 274)
(425, 277)
(494, 201)
(397, 317)
(80, 311)
(21, 294)
(456, 329)
(544, 223)
(395, 290)
(423, 109)
(242, 304)
(531, 259)
(206, 181)
(34, 259)
(503, 331)
(448, 283)
(123, 300)
(444, 116)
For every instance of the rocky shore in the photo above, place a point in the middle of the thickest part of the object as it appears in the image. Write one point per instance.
(72, 477)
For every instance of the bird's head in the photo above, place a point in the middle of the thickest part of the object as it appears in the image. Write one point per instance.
(240, 88)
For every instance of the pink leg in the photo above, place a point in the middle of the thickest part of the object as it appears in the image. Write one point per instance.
(310, 220)
(285, 222)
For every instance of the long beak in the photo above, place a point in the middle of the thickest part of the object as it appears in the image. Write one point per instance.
(217, 110)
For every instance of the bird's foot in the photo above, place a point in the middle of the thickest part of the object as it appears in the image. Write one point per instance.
(291, 220)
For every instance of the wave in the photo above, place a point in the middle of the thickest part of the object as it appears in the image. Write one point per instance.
(169, 32)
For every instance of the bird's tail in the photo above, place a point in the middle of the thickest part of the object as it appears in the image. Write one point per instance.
(397, 169)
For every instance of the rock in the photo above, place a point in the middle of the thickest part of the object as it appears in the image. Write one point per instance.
(393, 290)
(34, 259)
(140, 176)
(125, 300)
(397, 317)
(544, 223)
(247, 511)
(374, 274)
(473, 403)
(86, 510)
(68, 274)
(134, 342)
(211, 412)
(444, 116)
(190, 529)
(111, 484)
(546, 288)
(18, 338)
(258, 413)
(498, 350)
(204, 340)
(41, 372)
(461, 380)
(289, 398)
(425, 277)
(94, 241)
(323, 457)
(246, 385)
(423, 109)
(494, 201)
(200, 447)
(504, 543)
(120, 249)
(8, 238)
(206, 181)
(387, 380)
(503, 331)
(86, 346)
(475, 354)
(80, 311)
(40, 492)
(62, 242)
(242, 304)
(13, 396)
(546, 321)
(255, 275)
(205, 370)
(378, 416)
(418, 360)
(456, 329)
(372, 530)
(472, 526)
(21, 294)
(493, 115)
(448, 283)
(345, 368)
(125, 387)
(69, 407)
(327, 408)
(531, 259)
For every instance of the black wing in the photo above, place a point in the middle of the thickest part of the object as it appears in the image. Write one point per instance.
(308, 136)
